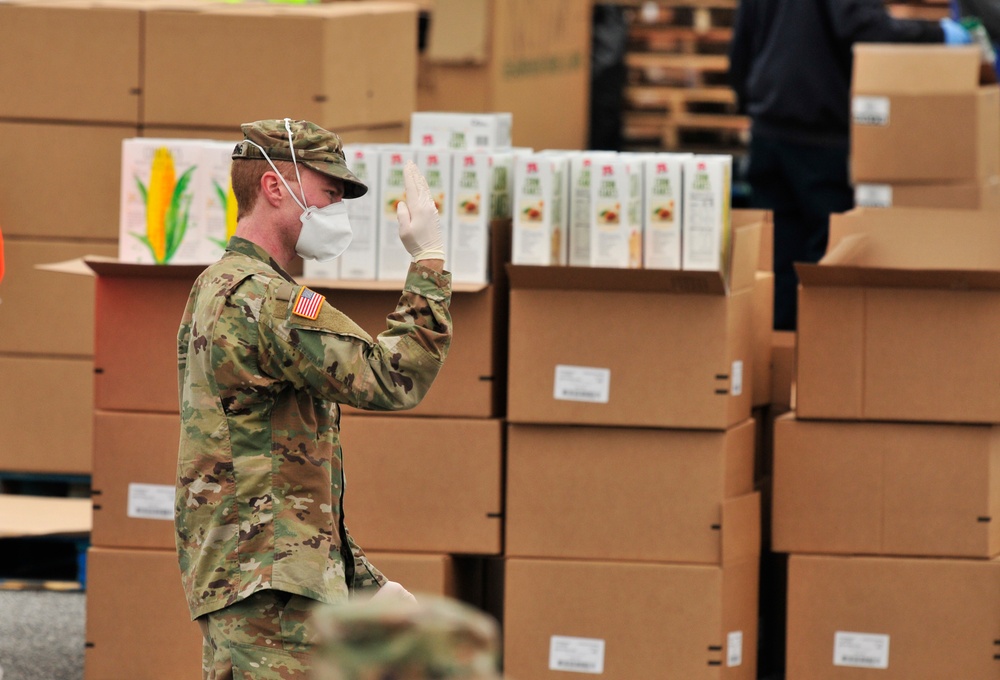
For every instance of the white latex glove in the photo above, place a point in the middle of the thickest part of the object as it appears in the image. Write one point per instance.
(393, 591)
(419, 222)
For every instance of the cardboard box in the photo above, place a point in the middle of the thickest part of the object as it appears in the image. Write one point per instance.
(676, 348)
(22, 515)
(886, 488)
(69, 62)
(46, 426)
(334, 92)
(763, 325)
(444, 497)
(630, 620)
(514, 56)
(892, 618)
(88, 201)
(138, 624)
(135, 472)
(685, 495)
(968, 195)
(138, 311)
(920, 114)
(46, 312)
(432, 574)
(897, 321)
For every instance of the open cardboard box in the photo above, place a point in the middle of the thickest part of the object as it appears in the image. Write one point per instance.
(899, 320)
(654, 348)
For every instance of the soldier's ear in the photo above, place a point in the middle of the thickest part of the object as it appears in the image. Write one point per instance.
(271, 188)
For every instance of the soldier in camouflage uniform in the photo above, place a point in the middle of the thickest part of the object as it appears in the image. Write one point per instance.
(436, 637)
(264, 364)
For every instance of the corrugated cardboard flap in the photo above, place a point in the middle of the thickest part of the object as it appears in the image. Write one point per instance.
(884, 69)
(882, 277)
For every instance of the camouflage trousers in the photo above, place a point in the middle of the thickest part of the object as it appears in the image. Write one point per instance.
(267, 636)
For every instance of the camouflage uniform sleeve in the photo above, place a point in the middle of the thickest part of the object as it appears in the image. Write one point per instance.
(337, 360)
(367, 579)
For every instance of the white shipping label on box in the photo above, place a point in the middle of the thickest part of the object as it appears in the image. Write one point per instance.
(860, 650)
(151, 501)
(736, 379)
(583, 383)
(577, 655)
(873, 195)
(867, 110)
(734, 648)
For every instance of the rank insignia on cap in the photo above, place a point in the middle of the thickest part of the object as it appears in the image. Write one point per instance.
(308, 303)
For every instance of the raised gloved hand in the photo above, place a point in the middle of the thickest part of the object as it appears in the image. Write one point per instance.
(393, 591)
(419, 222)
(954, 32)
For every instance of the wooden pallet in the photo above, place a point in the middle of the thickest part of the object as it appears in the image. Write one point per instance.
(677, 131)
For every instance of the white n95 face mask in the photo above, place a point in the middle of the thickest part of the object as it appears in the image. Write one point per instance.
(326, 232)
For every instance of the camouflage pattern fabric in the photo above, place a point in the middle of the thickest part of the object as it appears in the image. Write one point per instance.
(268, 636)
(319, 149)
(435, 637)
(260, 487)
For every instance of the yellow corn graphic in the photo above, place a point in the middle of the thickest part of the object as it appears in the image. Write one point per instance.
(231, 210)
(159, 194)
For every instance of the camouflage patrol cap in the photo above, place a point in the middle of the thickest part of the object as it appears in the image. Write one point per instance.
(436, 637)
(315, 148)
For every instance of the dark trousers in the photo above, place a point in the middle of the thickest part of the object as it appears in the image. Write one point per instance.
(802, 184)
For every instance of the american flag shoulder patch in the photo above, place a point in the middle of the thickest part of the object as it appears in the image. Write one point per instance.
(308, 303)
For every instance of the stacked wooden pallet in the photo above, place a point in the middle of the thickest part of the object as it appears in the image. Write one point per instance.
(677, 97)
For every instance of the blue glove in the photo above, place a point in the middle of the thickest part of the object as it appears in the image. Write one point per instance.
(954, 33)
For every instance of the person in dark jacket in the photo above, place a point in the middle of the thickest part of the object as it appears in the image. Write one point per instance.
(790, 65)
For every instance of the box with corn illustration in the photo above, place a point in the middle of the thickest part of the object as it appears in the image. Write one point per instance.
(177, 204)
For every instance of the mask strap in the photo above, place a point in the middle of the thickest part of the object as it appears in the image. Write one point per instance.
(291, 147)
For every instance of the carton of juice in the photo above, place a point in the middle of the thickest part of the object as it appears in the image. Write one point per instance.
(481, 192)
(436, 167)
(706, 234)
(393, 260)
(540, 219)
(615, 221)
(460, 131)
(663, 183)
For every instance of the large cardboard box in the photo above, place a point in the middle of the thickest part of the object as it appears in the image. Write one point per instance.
(135, 471)
(138, 624)
(190, 52)
(638, 494)
(673, 348)
(886, 488)
(624, 621)
(87, 205)
(69, 62)
(45, 414)
(427, 573)
(920, 114)
(782, 368)
(892, 618)
(424, 484)
(513, 56)
(899, 319)
(46, 312)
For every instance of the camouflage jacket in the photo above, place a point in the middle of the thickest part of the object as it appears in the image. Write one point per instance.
(260, 484)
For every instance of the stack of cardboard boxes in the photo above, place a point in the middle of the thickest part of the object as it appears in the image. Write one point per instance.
(886, 475)
(632, 524)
